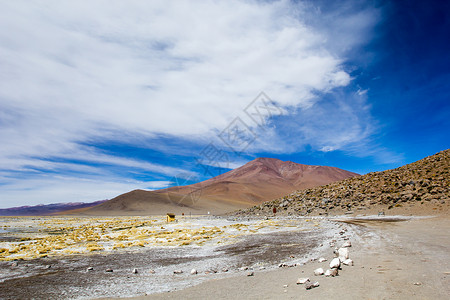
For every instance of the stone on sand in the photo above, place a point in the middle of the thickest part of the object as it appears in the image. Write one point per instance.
(177, 272)
(322, 259)
(302, 280)
(335, 263)
(310, 285)
(194, 272)
(250, 274)
(318, 271)
(331, 272)
(135, 271)
(343, 253)
(346, 244)
(348, 262)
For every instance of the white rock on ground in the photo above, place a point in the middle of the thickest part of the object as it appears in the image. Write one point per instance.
(331, 272)
(135, 271)
(318, 271)
(310, 285)
(194, 272)
(302, 280)
(346, 244)
(343, 253)
(335, 263)
(322, 259)
(250, 274)
(177, 272)
(348, 262)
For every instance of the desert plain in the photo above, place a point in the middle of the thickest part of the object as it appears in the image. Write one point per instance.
(398, 256)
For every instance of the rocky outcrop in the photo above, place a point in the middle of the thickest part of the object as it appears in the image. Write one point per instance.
(421, 182)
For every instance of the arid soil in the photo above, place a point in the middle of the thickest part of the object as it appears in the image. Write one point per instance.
(392, 260)
(395, 257)
(225, 247)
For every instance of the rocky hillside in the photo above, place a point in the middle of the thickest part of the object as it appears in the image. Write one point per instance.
(424, 183)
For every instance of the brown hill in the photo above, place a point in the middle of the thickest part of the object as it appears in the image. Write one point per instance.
(255, 182)
(420, 188)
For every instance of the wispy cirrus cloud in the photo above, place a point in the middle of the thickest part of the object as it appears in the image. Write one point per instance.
(75, 73)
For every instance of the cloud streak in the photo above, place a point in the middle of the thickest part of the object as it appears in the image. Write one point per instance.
(74, 73)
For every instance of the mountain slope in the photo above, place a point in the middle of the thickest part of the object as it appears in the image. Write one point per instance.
(422, 185)
(255, 182)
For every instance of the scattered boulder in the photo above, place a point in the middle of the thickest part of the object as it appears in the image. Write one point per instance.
(302, 280)
(151, 271)
(348, 262)
(322, 259)
(135, 271)
(346, 244)
(109, 270)
(177, 272)
(331, 272)
(194, 272)
(250, 274)
(224, 270)
(243, 268)
(343, 253)
(335, 263)
(318, 271)
(90, 269)
(310, 285)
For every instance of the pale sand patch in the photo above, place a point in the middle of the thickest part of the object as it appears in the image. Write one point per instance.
(389, 257)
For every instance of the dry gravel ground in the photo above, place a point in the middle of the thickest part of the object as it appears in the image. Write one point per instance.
(393, 260)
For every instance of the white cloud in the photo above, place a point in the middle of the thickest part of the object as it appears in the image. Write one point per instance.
(59, 189)
(77, 71)
(152, 67)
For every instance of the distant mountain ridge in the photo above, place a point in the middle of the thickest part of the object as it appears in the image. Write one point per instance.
(257, 181)
(420, 186)
(46, 209)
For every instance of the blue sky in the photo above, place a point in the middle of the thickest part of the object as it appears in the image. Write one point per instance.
(100, 98)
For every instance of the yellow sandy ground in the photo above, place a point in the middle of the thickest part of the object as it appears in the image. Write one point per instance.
(56, 236)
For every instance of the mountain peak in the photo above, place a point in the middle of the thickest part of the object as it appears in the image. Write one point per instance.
(259, 180)
(421, 186)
